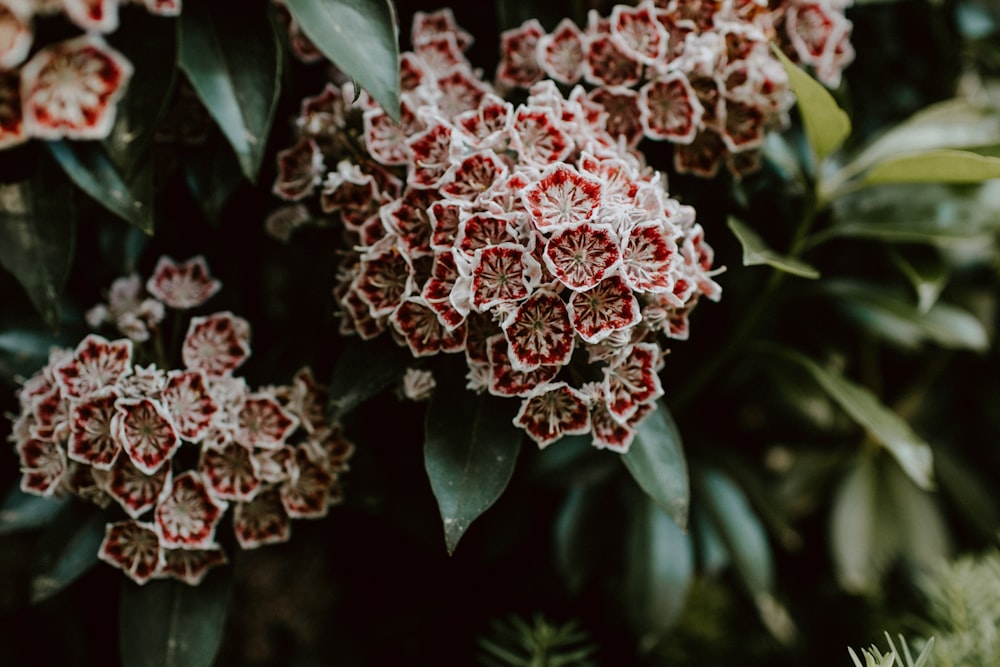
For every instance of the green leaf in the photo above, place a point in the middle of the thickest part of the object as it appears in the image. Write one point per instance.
(37, 235)
(739, 528)
(363, 369)
(827, 125)
(659, 573)
(213, 176)
(231, 57)
(167, 623)
(582, 516)
(130, 196)
(925, 539)
(656, 461)
(910, 450)
(927, 273)
(938, 166)
(361, 38)
(470, 449)
(25, 511)
(67, 549)
(969, 492)
(713, 556)
(756, 252)
(897, 320)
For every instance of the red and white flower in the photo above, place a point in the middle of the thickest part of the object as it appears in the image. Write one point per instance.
(262, 422)
(92, 436)
(146, 432)
(136, 491)
(95, 364)
(306, 494)
(581, 255)
(134, 548)
(189, 403)
(552, 411)
(231, 471)
(191, 565)
(187, 514)
(182, 285)
(261, 521)
(539, 332)
(561, 196)
(217, 344)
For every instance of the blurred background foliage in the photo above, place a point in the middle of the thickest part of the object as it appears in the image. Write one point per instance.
(805, 537)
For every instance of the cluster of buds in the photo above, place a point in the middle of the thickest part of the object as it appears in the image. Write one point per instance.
(528, 239)
(69, 89)
(700, 75)
(173, 449)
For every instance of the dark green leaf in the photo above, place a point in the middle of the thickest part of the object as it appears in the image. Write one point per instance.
(231, 57)
(656, 461)
(827, 125)
(739, 528)
(969, 492)
(926, 271)
(659, 572)
(470, 449)
(713, 556)
(574, 461)
(67, 549)
(925, 539)
(129, 196)
(25, 511)
(168, 623)
(578, 543)
(150, 44)
(361, 38)
(913, 454)
(756, 252)
(363, 370)
(37, 234)
(213, 175)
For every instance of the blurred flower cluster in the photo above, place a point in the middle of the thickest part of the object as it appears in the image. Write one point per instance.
(172, 448)
(527, 238)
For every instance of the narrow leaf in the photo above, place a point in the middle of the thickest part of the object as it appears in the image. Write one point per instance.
(232, 59)
(470, 449)
(656, 461)
(25, 511)
(740, 529)
(660, 571)
(37, 234)
(67, 549)
(910, 450)
(827, 125)
(756, 252)
(925, 538)
(939, 166)
(168, 623)
(88, 165)
(361, 38)
(927, 274)
(363, 370)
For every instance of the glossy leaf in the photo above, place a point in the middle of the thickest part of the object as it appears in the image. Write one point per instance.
(67, 549)
(659, 573)
(656, 461)
(578, 546)
(231, 57)
(739, 528)
(910, 450)
(37, 236)
(129, 196)
(713, 556)
(827, 126)
(470, 449)
(364, 369)
(167, 623)
(939, 166)
(756, 252)
(864, 538)
(24, 511)
(361, 37)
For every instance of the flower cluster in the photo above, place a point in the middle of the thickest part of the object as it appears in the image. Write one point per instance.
(700, 75)
(174, 448)
(528, 239)
(69, 89)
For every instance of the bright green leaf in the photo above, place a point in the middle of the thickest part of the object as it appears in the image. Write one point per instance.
(756, 252)
(231, 57)
(827, 125)
(130, 196)
(659, 574)
(739, 528)
(168, 623)
(910, 450)
(67, 549)
(939, 166)
(37, 234)
(656, 461)
(363, 369)
(361, 38)
(470, 449)
(25, 511)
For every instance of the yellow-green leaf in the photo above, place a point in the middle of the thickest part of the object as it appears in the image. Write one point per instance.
(756, 252)
(938, 166)
(827, 125)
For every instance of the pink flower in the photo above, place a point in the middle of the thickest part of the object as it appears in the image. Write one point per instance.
(71, 89)
(185, 285)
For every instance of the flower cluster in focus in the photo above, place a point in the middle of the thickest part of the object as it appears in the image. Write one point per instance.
(700, 75)
(528, 239)
(174, 448)
(68, 89)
